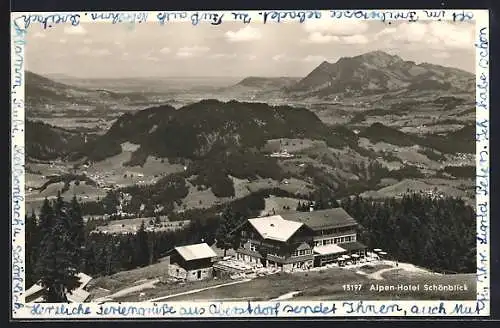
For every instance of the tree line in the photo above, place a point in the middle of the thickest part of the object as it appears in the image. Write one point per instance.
(436, 233)
(439, 234)
(59, 245)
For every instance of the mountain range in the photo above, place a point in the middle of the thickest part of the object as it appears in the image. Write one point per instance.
(378, 72)
(44, 94)
(206, 128)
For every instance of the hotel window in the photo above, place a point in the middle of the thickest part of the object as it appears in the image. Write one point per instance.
(253, 247)
(347, 239)
(243, 233)
(328, 241)
(295, 253)
(317, 243)
(336, 240)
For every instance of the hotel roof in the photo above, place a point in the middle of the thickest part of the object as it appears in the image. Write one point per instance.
(275, 227)
(320, 219)
(329, 249)
(196, 251)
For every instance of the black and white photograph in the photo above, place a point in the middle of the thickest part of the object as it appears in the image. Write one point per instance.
(316, 161)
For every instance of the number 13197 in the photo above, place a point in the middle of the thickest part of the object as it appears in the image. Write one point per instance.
(352, 287)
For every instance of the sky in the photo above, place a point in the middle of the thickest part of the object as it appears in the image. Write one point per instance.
(102, 50)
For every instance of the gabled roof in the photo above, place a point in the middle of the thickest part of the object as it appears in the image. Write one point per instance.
(196, 252)
(275, 227)
(329, 249)
(78, 296)
(322, 219)
(303, 246)
(84, 279)
(353, 246)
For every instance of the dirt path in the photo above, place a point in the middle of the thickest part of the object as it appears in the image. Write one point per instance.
(377, 275)
(287, 296)
(194, 291)
(147, 285)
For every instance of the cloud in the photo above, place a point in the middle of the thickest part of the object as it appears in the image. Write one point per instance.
(149, 57)
(278, 57)
(314, 58)
(251, 57)
(318, 37)
(336, 28)
(87, 41)
(441, 55)
(100, 52)
(247, 33)
(84, 51)
(283, 58)
(223, 56)
(321, 38)
(435, 35)
(93, 52)
(327, 31)
(186, 52)
(165, 50)
(354, 39)
(75, 30)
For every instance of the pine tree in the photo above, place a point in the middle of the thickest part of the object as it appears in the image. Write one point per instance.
(224, 234)
(46, 219)
(55, 261)
(77, 229)
(31, 248)
(142, 246)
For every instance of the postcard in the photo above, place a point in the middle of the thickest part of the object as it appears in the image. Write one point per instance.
(250, 164)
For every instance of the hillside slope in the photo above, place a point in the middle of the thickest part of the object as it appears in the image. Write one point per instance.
(46, 95)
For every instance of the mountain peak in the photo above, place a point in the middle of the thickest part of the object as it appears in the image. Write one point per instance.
(380, 58)
(376, 72)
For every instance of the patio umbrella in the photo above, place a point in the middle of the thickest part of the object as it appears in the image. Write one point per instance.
(347, 257)
(377, 250)
(382, 253)
(354, 255)
(340, 258)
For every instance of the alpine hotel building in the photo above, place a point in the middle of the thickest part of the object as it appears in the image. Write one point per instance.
(299, 239)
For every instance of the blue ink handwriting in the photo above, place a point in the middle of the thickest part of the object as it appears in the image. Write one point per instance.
(244, 17)
(361, 308)
(50, 20)
(308, 309)
(428, 309)
(124, 17)
(167, 16)
(482, 215)
(382, 16)
(482, 271)
(279, 16)
(213, 18)
(435, 14)
(131, 310)
(60, 309)
(462, 16)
